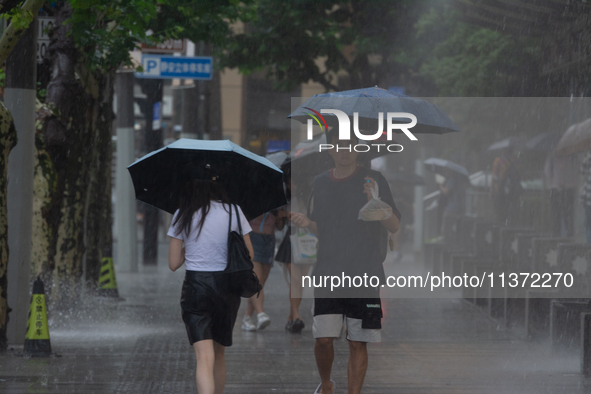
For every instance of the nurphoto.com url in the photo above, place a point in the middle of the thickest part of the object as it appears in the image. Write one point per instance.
(431, 281)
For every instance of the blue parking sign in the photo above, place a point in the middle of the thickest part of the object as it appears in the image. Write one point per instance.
(183, 67)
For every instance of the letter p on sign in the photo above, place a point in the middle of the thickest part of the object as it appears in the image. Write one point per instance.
(152, 66)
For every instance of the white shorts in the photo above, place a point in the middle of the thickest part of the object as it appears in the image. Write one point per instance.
(331, 326)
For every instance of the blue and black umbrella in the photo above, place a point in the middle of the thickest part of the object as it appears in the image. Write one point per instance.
(368, 103)
(251, 181)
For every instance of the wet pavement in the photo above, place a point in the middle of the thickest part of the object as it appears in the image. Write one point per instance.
(139, 346)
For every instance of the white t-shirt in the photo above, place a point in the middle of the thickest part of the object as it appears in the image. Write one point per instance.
(209, 251)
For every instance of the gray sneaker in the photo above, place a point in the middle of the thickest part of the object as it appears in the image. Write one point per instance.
(263, 321)
(247, 324)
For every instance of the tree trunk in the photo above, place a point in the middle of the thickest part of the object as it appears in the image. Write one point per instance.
(73, 171)
(7, 142)
(64, 137)
(98, 227)
(78, 143)
(44, 191)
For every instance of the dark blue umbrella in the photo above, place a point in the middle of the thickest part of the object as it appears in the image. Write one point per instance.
(371, 101)
(251, 181)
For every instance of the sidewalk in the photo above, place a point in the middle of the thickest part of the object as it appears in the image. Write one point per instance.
(140, 346)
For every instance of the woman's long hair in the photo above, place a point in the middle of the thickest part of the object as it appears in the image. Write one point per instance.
(196, 195)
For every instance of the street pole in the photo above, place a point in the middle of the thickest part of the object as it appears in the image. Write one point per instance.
(19, 97)
(152, 140)
(419, 207)
(177, 109)
(201, 89)
(190, 115)
(213, 108)
(125, 206)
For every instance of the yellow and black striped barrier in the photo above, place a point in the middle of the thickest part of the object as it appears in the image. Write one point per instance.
(37, 342)
(107, 280)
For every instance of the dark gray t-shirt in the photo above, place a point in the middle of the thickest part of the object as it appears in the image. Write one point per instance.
(347, 244)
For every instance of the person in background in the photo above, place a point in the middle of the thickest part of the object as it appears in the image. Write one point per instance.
(403, 200)
(199, 239)
(562, 179)
(453, 195)
(284, 255)
(454, 188)
(263, 243)
(506, 187)
(585, 196)
(441, 202)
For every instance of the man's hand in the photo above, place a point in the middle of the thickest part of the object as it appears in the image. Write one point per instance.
(300, 220)
(369, 184)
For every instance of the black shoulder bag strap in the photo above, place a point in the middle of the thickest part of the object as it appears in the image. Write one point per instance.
(238, 219)
(230, 219)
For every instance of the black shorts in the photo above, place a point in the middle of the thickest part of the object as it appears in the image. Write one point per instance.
(366, 309)
(362, 316)
(209, 309)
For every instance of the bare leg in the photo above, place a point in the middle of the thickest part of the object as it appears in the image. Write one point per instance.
(295, 289)
(205, 355)
(219, 369)
(290, 317)
(324, 352)
(262, 271)
(357, 366)
(254, 303)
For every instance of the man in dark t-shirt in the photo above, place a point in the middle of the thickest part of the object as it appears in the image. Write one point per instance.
(348, 248)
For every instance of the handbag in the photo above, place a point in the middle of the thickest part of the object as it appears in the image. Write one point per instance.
(242, 279)
(304, 245)
(283, 254)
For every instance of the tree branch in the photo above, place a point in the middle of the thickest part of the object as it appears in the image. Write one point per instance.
(11, 36)
(7, 5)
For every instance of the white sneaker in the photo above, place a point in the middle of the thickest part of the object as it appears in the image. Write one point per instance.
(262, 321)
(247, 324)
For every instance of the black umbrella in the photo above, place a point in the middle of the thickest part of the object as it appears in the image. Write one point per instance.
(369, 102)
(251, 181)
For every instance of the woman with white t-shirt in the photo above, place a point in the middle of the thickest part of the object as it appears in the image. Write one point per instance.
(209, 310)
